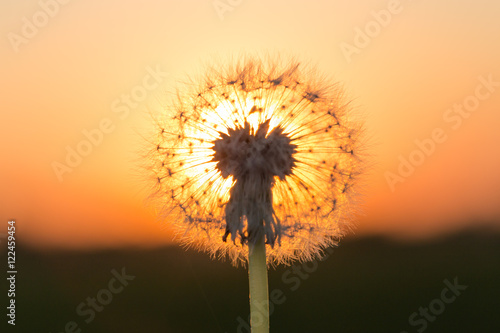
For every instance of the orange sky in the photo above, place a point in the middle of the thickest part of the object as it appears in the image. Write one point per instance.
(68, 75)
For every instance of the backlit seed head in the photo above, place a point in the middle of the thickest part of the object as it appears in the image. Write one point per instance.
(258, 150)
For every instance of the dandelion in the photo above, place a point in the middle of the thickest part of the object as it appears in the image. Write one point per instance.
(259, 163)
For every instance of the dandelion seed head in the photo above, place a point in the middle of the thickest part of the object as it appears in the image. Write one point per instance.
(262, 149)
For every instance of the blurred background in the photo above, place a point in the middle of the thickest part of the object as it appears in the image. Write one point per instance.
(78, 83)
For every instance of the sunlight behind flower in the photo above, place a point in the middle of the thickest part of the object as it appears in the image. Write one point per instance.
(201, 147)
(216, 119)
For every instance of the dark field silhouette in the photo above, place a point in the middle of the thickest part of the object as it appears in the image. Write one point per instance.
(365, 285)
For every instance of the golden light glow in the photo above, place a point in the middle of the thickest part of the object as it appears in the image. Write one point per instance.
(310, 204)
(215, 121)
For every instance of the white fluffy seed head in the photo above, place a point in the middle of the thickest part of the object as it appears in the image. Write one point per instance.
(263, 148)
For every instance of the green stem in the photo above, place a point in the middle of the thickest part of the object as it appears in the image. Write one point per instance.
(259, 295)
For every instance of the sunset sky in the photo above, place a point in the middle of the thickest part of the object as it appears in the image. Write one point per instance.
(416, 71)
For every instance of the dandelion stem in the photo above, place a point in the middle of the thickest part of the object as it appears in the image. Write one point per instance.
(259, 297)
